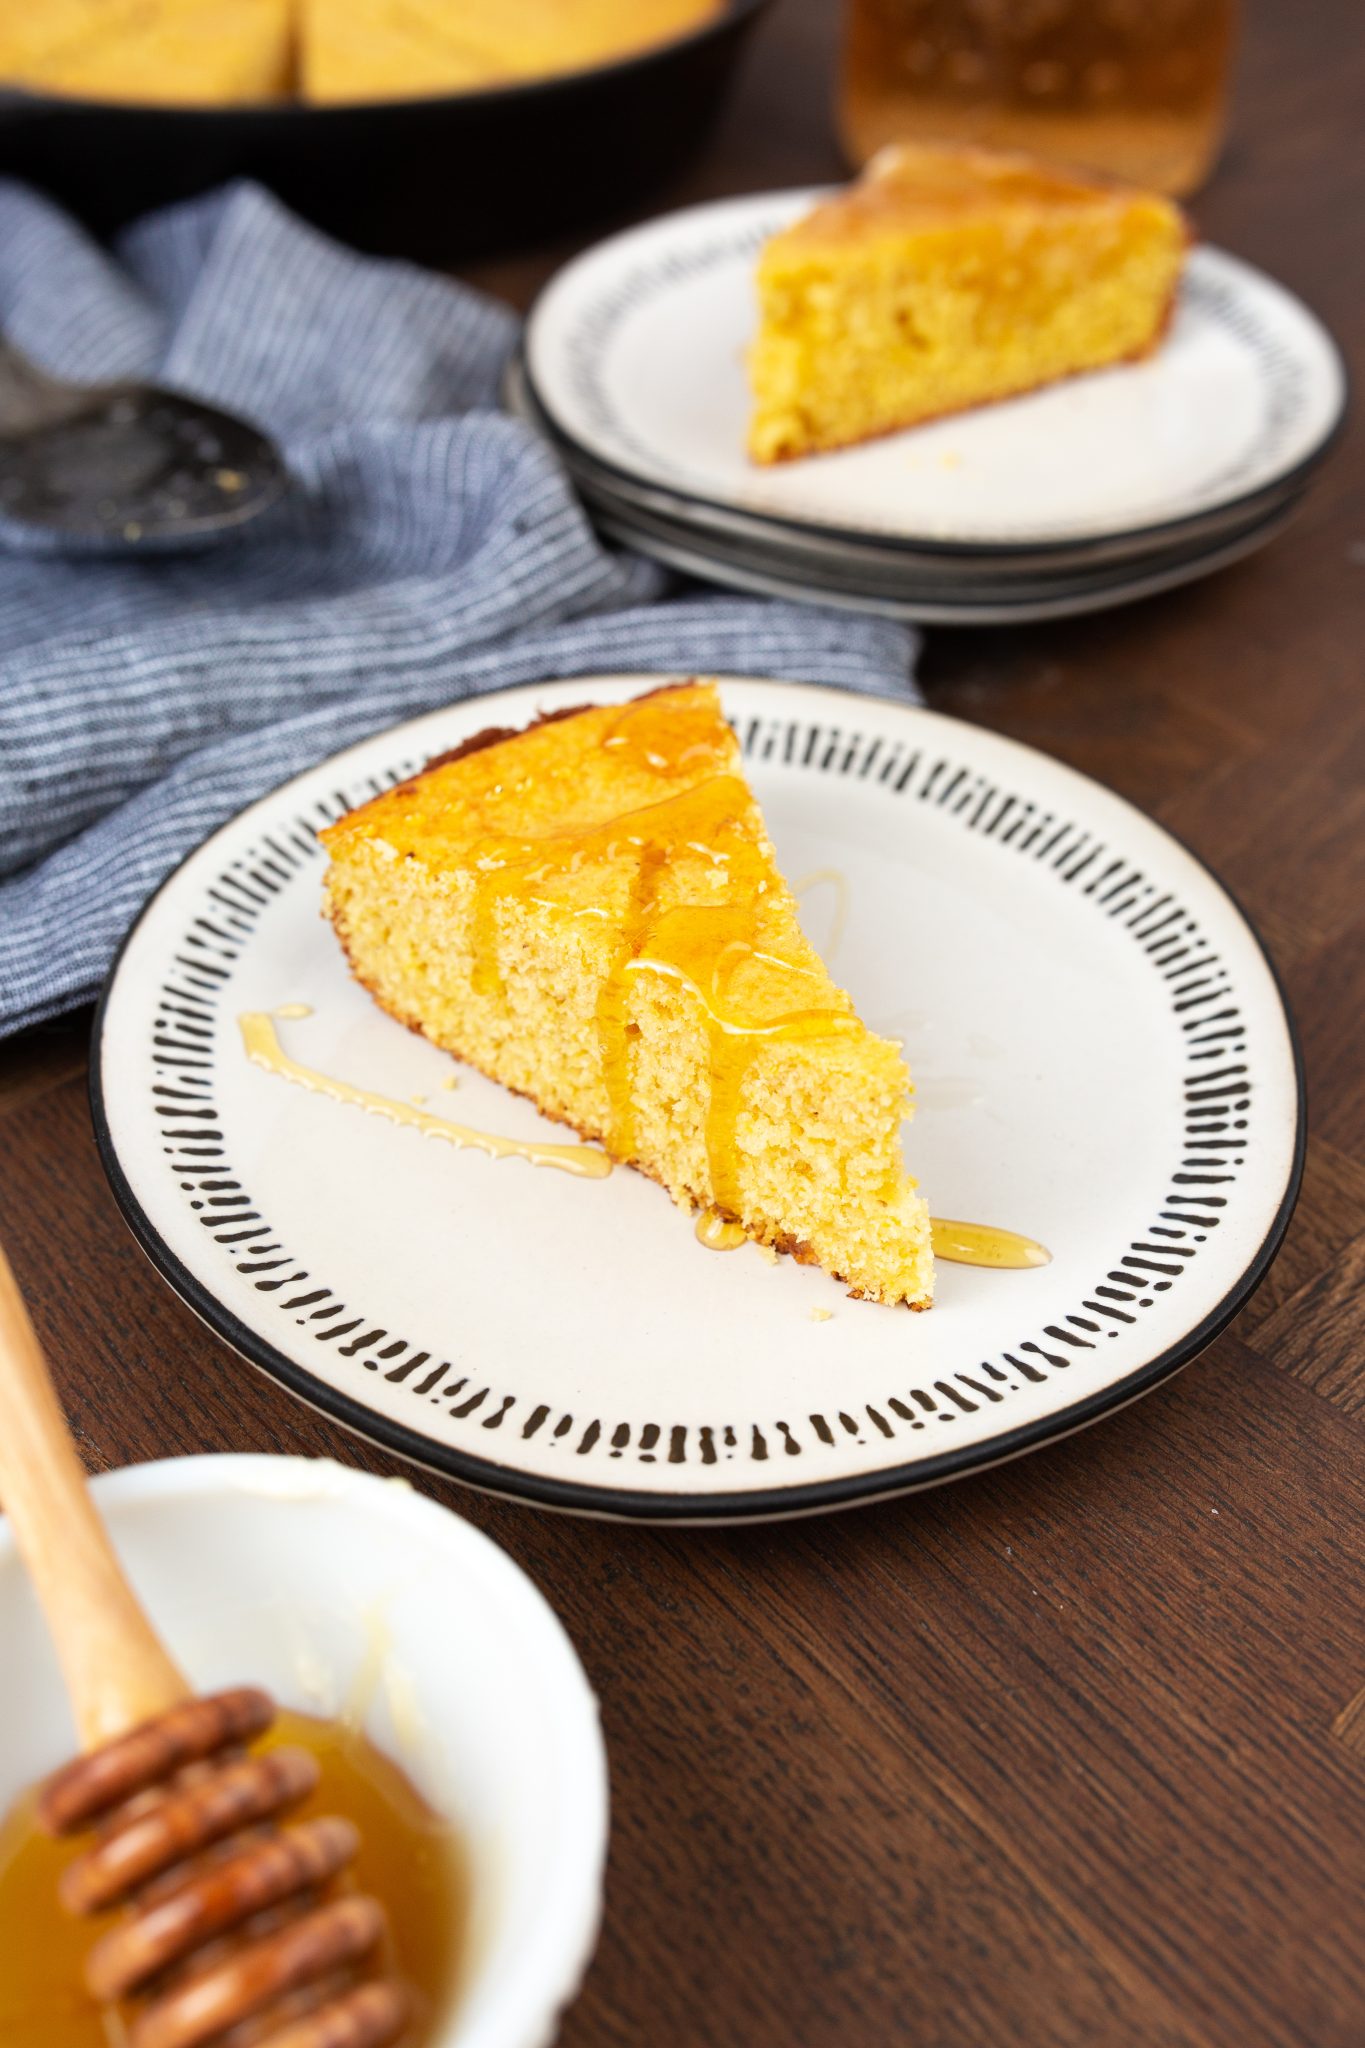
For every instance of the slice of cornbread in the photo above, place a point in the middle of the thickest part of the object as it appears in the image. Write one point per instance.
(946, 278)
(199, 52)
(591, 912)
(389, 49)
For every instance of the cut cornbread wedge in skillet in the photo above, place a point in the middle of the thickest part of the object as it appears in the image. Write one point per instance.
(948, 278)
(591, 912)
(195, 52)
(387, 49)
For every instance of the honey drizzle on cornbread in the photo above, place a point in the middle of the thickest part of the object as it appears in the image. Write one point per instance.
(634, 844)
(702, 945)
(262, 1044)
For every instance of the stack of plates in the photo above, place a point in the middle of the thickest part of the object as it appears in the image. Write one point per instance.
(1100, 490)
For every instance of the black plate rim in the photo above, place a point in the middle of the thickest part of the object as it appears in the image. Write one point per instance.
(14, 102)
(485, 1475)
(825, 575)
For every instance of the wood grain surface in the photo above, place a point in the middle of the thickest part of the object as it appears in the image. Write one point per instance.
(1073, 1752)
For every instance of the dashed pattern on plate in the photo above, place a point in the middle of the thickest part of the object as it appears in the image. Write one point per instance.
(191, 1013)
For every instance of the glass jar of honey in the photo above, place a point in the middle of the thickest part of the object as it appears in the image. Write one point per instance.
(1136, 89)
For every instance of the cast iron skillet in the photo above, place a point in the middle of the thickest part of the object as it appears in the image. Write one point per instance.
(437, 179)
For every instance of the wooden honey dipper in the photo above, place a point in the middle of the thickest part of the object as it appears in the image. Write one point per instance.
(225, 1928)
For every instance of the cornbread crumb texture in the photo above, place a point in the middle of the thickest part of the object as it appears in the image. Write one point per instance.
(591, 913)
(948, 278)
(222, 52)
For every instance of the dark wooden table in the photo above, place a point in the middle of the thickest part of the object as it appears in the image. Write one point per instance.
(1073, 1752)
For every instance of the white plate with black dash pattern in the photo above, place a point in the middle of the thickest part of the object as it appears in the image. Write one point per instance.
(1103, 1061)
(635, 354)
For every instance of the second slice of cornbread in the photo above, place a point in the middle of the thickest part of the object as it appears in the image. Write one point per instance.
(946, 278)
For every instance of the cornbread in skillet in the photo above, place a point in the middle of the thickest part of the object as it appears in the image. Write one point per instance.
(227, 52)
(400, 49)
(946, 278)
(191, 52)
(591, 913)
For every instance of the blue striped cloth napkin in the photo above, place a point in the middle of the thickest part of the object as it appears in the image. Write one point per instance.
(429, 548)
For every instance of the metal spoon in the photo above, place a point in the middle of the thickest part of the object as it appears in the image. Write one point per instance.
(126, 461)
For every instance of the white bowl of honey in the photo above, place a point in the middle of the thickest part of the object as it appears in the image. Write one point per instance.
(440, 1694)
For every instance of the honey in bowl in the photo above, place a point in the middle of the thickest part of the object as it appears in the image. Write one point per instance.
(409, 1856)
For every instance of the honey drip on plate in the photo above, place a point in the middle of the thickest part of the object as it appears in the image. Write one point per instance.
(409, 1857)
(718, 1233)
(263, 1048)
(960, 1244)
(747, 996)
(981, 1244)
(836, 879)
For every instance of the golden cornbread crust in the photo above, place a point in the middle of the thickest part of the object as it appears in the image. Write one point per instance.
(947, 279)
(492, 736)
(588, 913)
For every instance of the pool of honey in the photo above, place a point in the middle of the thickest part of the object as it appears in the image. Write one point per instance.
(409, 1857)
